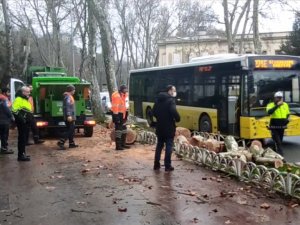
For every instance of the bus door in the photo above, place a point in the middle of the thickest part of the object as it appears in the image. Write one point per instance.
(228, 109)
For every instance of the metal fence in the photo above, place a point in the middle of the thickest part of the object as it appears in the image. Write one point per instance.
(270, 178)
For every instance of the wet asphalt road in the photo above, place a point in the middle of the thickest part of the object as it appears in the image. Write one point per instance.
(94, 184)
(291, 149)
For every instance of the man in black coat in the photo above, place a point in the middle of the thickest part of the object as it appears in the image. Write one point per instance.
(5, 118)
(166, 115)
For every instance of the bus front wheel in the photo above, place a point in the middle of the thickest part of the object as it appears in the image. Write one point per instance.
(205, 124)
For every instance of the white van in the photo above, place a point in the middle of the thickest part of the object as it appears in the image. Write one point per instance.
(105, 101)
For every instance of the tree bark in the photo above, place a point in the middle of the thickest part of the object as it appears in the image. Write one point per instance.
(26, 53)
(92, 72)
(256, 36)
(9, 45)
(100, 14)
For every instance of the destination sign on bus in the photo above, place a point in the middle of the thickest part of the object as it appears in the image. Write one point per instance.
(274, 63)
(205, 68)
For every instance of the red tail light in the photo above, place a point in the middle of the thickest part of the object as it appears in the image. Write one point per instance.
(90, 122)
(41, 124)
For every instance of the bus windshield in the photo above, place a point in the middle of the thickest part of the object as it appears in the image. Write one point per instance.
(266, 83)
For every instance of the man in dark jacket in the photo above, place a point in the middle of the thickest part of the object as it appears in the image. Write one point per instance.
(5, 118)
(69, 117)
(166, 115)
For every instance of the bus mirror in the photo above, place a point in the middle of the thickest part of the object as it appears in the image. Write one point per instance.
(251, 88)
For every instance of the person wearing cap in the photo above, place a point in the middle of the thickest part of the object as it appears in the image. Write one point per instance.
(69, 117)
(5, 118)
(279, 113)
(119, 116)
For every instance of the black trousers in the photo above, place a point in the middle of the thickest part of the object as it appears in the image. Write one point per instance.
(277, 136)
(4, 133)
(23, 129)
(69, 133)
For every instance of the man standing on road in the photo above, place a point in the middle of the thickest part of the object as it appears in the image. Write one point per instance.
(279, 112)
(5, 118)
(69, 111)
(166, 115)
(119, 116)
(22, 112)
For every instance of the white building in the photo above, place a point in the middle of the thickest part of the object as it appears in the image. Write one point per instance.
(177, 50)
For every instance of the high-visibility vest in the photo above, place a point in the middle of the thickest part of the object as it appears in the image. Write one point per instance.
(281, 112)
(21, 103)
(118, 103)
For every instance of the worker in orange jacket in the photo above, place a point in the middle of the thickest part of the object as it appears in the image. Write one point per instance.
(119, 115)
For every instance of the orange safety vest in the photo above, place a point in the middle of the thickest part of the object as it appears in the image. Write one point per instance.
(72, 101)
(5, 98)
(118, 103)
(30, 99)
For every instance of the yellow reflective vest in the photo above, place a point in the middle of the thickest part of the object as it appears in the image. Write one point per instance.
(21, 104)
(281, 112)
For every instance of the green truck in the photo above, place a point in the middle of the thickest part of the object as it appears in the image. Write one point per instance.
(48, 85)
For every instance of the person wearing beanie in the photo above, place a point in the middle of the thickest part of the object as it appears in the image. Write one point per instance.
(69, 112)
(279, 113)
(119, 116)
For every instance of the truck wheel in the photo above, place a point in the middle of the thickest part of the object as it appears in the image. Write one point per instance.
(88, 131)
(205, 124)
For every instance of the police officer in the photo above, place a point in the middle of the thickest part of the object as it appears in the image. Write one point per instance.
(279, 112)
(22, 112)
(69, 117)
(119, 116)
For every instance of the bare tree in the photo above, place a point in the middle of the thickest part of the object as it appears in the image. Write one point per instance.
(9, 44)
(232, 23)
(99, 12)
(92, 73)
(256, 36)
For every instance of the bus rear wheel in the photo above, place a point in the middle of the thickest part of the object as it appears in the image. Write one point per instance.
(205, 124)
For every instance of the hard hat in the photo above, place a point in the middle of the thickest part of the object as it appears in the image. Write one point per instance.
(278, 94)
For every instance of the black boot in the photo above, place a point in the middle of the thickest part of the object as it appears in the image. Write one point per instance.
(123, 139)
(119, 144)
(73, 145)
(6, 151)
(23, 157)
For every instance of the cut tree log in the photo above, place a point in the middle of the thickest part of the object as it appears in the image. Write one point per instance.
(239, 153)
(181, 139)
(130, 137)
(269, 161)
(183, 131)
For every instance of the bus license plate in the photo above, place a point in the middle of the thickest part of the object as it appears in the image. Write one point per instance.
(61, 123)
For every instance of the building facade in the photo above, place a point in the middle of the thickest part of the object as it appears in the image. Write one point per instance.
(176, 50)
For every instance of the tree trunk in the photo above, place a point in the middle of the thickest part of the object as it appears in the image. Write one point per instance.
(228, 27)
(9, 45)
(101, 17)
(26, 53)
(96, 101)
(256, 36)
